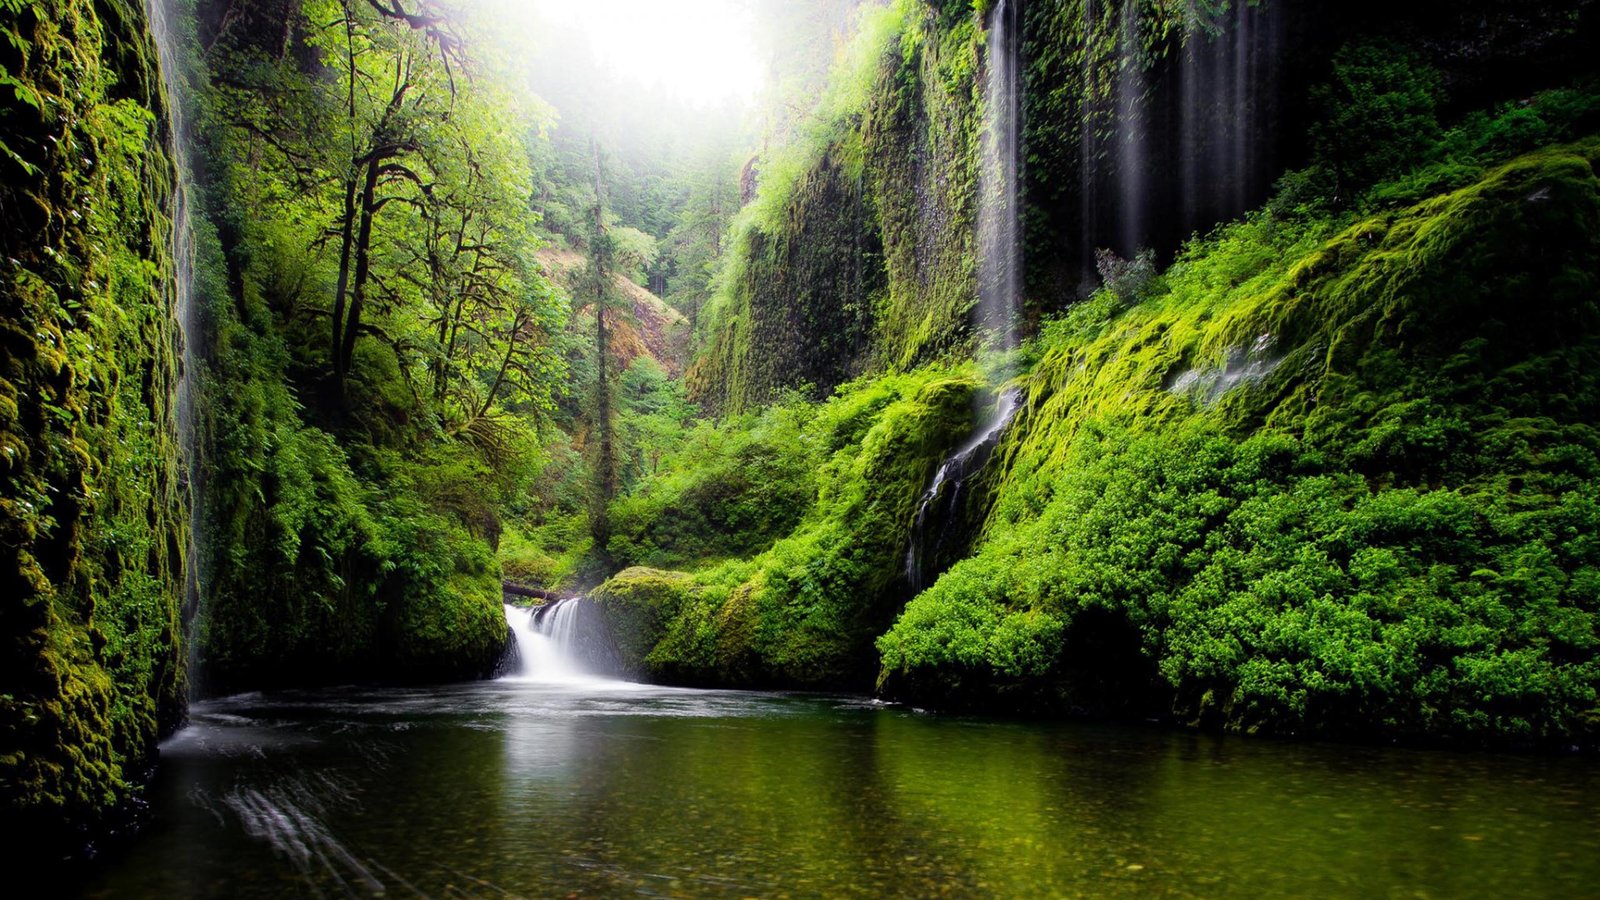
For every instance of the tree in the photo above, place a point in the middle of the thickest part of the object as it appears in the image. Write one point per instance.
(597, 286)
(384, 133)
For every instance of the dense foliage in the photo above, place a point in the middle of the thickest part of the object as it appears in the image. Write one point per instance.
(1328, 472)
(1306, 440)
(1344, 537)
(381, 342)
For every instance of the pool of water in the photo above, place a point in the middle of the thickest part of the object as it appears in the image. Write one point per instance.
(590, 788)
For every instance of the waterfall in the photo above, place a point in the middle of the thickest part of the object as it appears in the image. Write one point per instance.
(1131, 106)
(166, 28)
(939, 526)
(1228, 72)
(1000, 269)
(940, 523)
(1177, 127)
(556, 643)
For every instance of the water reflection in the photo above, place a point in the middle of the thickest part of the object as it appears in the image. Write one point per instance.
(535, 790)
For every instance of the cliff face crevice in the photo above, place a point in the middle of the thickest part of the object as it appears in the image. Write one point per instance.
(93, 511)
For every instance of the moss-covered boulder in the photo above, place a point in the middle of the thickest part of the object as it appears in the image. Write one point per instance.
(804, 611)
(636, 604)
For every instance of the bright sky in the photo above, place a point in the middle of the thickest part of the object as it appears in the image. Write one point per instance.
(701, 50)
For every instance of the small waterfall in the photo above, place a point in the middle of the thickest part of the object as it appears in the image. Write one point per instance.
(939, 526)
(1241, 366)
(167, 22)
(559, 642)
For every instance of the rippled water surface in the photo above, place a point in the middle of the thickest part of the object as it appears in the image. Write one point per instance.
(599, 788)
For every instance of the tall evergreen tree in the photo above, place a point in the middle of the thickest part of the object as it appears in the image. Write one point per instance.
(598, 288)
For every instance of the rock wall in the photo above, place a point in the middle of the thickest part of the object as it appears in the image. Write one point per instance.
(93, 512)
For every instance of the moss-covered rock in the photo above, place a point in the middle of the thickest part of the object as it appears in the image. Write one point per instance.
(93, 515)
(805, 611)
(636, 605)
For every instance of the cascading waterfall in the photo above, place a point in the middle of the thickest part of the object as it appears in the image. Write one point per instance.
(939, 524)
(551, 643)
(164, 18)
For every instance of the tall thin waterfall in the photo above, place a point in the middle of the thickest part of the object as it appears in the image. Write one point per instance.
(166, 21)
(940, 526)
(1227, 75)
(1177, 129)
(1132, 138)
(1000, 272)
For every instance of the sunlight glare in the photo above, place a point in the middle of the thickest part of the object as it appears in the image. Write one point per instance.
(703, 51)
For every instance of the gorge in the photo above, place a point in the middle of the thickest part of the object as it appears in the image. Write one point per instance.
(724, 448)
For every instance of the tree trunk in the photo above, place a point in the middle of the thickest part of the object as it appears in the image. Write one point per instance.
(605, 466)
(347, 227)
(363, 250)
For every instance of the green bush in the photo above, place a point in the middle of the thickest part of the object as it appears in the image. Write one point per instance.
(1376, 115)
(729, 489)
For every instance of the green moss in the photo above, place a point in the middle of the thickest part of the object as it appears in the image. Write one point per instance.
(805, 611)
(92, 515)
(637, 604)
(1383, 528)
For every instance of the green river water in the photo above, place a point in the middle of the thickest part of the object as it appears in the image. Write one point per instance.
(593, 788)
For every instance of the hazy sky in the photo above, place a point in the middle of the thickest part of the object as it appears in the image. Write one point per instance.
(702, 50)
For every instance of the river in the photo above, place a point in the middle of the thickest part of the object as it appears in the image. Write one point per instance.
(565, 785)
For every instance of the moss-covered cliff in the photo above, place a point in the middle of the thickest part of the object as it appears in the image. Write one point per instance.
(1143, 123)
(1324, 468)
(1319, 481)
(858, 255)
(1328, 474)
(93, 513)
